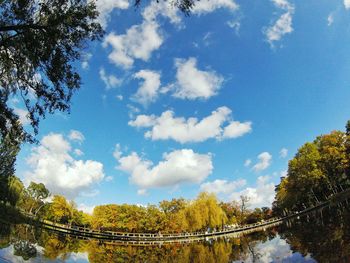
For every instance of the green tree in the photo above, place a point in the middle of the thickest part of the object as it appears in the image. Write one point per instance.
(36, 195)
(60, 210)
(319, 169)
(9, 147)
(40, 40)
(205, 212)
(15, 191)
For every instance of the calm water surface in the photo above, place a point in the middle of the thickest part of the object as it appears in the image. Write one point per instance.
(320, 237)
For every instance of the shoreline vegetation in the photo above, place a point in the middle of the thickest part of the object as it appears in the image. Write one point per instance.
(319, 170)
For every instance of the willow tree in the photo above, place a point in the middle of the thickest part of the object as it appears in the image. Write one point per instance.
(9, 147)
(205, 212)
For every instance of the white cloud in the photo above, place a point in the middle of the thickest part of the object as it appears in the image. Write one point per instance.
(78, 152)
(264, 162)
(119, 97)
(283, 4)
(171, 12)
(193, 83)
(163, 8)
(90, 193)
(236, 129)
(52, 164)
(347, 4)
(138, 42)
(247, 162)
(142, 192)
(109, 178)
(274, 250)
(86, 208)
(283, 25)
(260, 195)
(235, 25)
(109, 80)
(22, 115)
(330, 19)
(184, 130)
(207, 38)
(148, 90)
(283, 153)
(132, 110)
(177, 167)
(85, 60)
(105, 7)
(222, 186)
(208, 6)
(75, 135)
(117, 154)
(284, 173)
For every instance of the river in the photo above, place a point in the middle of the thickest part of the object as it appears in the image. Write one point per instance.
(322, 236)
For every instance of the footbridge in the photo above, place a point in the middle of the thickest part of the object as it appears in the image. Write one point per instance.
(87, 233)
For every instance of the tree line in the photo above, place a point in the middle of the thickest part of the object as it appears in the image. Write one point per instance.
(318, 170)
(204, 213)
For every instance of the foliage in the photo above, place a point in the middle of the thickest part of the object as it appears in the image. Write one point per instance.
(9, 147)
(205, 212)
(60, 210)
(39, 42)
(318, 170)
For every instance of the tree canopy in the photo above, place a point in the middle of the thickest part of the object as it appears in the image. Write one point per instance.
(319, 169)
(39, 42)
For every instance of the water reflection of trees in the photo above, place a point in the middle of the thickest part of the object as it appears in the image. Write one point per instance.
(325, 234)
(26, 239)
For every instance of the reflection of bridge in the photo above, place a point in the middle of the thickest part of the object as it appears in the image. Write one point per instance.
(82, 232)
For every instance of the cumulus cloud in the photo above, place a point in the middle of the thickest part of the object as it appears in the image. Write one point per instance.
(148, 90)
(52, 164)
(193, 83)
(208, 6)
(109, 80)
(283, 25)
(264, 162)
(283, 153)
(274, 250)
(105, 7)
(218, 125)
(222, 186)
(138, 42)
(163, 8)
(75, 135)
(260, 195)
(347, 4)
(169, 11)
(177, 167)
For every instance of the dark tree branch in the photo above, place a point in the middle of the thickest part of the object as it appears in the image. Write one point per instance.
(22, 27)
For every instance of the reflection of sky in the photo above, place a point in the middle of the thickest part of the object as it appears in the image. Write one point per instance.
(275, 250)
(7, 256)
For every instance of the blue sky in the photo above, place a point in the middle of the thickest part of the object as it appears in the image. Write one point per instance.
(217, 101)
